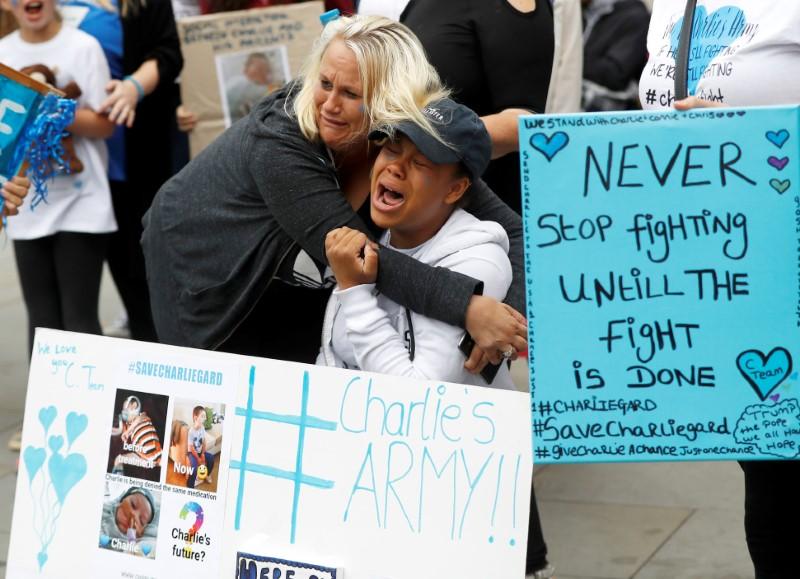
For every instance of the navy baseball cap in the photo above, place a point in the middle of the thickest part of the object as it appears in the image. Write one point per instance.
(458, 126)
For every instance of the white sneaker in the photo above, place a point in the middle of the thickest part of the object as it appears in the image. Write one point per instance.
(546, 572)
(119, 328)
(15, 442)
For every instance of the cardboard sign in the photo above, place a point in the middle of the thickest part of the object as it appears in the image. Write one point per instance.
(663, 268)
(234, 59)
(156, 461)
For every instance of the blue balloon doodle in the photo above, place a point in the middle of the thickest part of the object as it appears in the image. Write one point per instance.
(549, 146)
(46, 417)
(705, 47)
(50, 487)
(778, 138)
(76, 424)
(55, 443)
(765, 373)
(34, 459)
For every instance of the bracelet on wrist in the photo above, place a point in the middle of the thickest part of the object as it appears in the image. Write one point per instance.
(138, 85)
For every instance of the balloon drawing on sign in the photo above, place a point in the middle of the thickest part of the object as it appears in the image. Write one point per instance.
(549, 146)
(765, 373)
(50, 487)
(777, 138)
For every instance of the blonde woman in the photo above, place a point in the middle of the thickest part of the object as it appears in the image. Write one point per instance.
(141, 45)
(235, 243)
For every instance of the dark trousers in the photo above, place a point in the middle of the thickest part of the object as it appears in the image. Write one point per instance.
(60, 279)
(772, 516)
(537, 549)
(126, 261)
(286, 324)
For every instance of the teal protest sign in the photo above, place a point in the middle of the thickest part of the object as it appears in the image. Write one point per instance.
(663, 270)
(18, 105)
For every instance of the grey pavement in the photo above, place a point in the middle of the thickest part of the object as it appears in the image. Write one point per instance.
(631, 521)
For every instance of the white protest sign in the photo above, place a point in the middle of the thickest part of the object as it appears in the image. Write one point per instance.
(151, 461)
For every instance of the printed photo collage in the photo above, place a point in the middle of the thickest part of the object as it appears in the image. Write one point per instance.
(156, 447)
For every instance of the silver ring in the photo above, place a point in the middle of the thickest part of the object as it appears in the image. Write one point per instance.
(506, 354)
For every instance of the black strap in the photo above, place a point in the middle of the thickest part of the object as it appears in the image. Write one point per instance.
(682, 58)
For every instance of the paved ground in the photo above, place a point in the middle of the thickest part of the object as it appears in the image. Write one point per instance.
(675, 521)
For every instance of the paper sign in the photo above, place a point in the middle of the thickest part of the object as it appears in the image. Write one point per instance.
(155, 461)
(663, 269)
(233, 59)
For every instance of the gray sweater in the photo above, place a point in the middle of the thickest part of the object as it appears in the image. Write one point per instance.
(218, 231)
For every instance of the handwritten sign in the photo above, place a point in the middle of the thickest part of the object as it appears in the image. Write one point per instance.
(235, 58)
(663, 268)
(149, 460)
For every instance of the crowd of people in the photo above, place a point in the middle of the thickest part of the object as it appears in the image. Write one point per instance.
(369, 209)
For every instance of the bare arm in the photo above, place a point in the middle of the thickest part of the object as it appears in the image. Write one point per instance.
(91, 125)
(503, 128)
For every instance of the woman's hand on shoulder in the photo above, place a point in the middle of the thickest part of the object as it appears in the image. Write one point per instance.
(496, 328)
(352, 257)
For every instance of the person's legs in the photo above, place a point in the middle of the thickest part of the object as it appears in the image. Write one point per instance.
(536, 558)
(36, 266)
(126, 261)
(210, 465)
(79, 267)
(193, 474)
(771, 515)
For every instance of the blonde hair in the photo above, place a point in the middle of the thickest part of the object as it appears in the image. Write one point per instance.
(397, 81)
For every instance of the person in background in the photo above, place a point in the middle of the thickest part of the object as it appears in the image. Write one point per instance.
(498, 57)
(615, 52)
(760, 66)
(141, 44)
(60, 247)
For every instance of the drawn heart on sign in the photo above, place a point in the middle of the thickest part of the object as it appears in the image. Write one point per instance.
(779, 164)
(146, 548)
(549, 146)
(55, 443)
(765, 373)
(46, 416)
(104, 540)
(778, 138)
(780, 186)
(65, 472)
(76, 424)
(728, 20)
(775, 397)
(34, 459)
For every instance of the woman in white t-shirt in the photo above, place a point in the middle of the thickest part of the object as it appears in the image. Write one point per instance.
(742, 53)
(60, 244)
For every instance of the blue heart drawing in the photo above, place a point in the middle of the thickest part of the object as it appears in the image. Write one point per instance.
(778, 138)
(46, 416)
(34, 459)
(41, 557)
(55, 443)
(780, 186)
(146, 548)
(104, 540)
(765, 373)
(76, 424)
(728, 23)
(65, 472)
(549, 146)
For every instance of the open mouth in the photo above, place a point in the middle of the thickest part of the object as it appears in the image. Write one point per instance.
(33, 8)
(386, 199)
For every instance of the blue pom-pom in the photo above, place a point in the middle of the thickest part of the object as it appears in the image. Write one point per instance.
(41, 145)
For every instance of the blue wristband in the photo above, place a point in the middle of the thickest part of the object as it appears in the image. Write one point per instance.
(137, 84)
